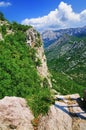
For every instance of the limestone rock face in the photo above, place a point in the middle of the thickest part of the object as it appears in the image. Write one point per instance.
(35, 41)
(56, 119)
(43, 69)
(67, 114)
(14, 114)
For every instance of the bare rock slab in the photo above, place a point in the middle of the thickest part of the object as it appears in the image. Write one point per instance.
(14, 114)
(56, 119)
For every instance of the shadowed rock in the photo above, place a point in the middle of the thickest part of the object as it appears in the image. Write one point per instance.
(66, 114)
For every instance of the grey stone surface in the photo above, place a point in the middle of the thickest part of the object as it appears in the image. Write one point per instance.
(32, 40)
(57, 118)
(14, 114)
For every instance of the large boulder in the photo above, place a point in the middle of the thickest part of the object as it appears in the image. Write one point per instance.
(57, 119)
(14, 114)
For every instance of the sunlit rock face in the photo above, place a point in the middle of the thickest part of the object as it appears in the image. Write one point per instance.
(35, 41)
(14, 114)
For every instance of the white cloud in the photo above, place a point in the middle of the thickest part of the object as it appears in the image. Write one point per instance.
(4, 4)
(62, 17)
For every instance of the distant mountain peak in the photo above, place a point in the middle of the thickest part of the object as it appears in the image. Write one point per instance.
(50, 36)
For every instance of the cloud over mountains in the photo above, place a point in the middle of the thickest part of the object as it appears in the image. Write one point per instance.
(62, 17)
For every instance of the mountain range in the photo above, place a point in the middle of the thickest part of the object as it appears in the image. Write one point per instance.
(66, 56)
(50, 36)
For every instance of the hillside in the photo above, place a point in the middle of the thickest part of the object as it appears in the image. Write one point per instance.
(67, 60)
(23, 69)
(27, 100)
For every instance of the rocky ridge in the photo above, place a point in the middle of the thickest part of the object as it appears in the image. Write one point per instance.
(51, 36)
(35, 41)
(22, 59)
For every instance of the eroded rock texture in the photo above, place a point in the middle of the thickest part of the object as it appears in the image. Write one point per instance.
(14, 114)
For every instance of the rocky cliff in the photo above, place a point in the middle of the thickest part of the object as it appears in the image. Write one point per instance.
(35, 41)
(23, 67)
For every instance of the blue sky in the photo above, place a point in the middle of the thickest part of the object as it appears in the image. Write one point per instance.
(46, 14)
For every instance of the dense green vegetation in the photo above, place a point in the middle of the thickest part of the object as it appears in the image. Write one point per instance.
(64, 84)
(16, 66)
(67, 63)
(18, 73)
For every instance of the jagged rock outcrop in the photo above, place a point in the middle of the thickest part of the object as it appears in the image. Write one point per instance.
(34, 40)
(66, 114)
(14, 114)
